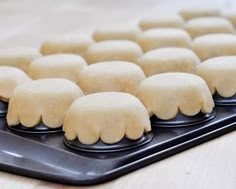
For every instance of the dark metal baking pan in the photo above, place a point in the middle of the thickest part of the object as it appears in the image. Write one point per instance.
(45, 156)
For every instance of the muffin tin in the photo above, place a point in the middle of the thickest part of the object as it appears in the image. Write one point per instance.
(46, 154)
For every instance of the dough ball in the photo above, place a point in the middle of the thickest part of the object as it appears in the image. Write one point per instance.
(195, 12)
(162, 21)
(165, 94)
(45, 100)
(164, 37)
(67, 66)
(231, 16)
(108, 116)
(213, 45)
(117, 34)
(110, 50)
(117, 76)
(74, 44)
(18, 57)
(10, 78)
(170, 59)
(220, 75)
(206, 25)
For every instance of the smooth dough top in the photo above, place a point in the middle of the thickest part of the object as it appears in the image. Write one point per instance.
(45, 100)
(110, 50)
(18, 57)
(114, 76)
(117, 34)
(74, 44)
(10, 78)
(109, 116)
(194, 12)
(170, 59)
(206, 25)
(165, 94)
(164, 37)
(162, 21)
(213, 45)
(67, 66)
(220, 75)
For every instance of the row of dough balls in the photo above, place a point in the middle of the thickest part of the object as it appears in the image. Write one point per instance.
(108, 116)
(207, 46)
(121, 76)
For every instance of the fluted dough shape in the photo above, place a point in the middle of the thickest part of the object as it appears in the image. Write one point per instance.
(113, 76)
(206, 25)
(130, 33)
(43, 99)
(74, 44)
(194, 12)
(109, 116)
(10, 78)
(165, 94)
(18, 57)
(67, 66)
(213, 45)
(110, 50)
(162, 21)
(220, 75)
(164, 37)
(170, 59)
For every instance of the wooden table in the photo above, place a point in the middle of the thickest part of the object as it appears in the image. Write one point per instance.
(28, 23)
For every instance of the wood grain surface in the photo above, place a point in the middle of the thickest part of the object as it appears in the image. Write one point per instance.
(28, 23)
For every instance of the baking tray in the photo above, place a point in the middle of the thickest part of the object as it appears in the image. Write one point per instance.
(45, 156)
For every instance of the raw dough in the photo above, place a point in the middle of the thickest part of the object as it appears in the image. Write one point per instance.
(74, 44)
(213, 45)
(114, 76)
(117, 34)
(67, 66)
(162, 21)
(18, 57)
(10, 78)
(123, 50)
(170, 59)
(231, 16)
(196, 11)
(109, 116)
(220, 75)
(206, 25)
(45, 100)
(164, 37)
(165, 94)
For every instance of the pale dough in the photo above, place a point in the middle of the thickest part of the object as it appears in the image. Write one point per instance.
(109, 50)
(164, 37)
(10, 78)
(108, 116)
(231, 16)
(117, 76)
(213, 45)
(164, 94)
(162, 21)
(67, 66)
(170, 59)
(130, 33)
(220, 75)
(74, 44)
(18, 57)
(206, 25)
(194, 12)
(45, 100)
